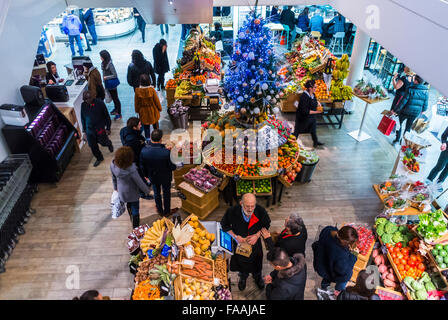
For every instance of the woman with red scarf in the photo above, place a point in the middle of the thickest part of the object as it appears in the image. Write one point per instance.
(244, 223)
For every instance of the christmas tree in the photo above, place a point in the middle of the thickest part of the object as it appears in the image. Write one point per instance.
(251, 81)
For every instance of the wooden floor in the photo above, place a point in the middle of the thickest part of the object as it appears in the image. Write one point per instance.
(72, 227)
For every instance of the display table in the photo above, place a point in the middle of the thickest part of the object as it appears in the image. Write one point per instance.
(75, 94)
(358, 135)
(409, 211)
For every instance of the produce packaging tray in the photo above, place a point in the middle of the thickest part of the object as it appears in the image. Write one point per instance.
(219, 180)
(409, 211)
(385, 291)
(261, 194)
(221, 270)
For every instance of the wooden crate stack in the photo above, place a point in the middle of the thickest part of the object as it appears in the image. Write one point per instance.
(198, 202)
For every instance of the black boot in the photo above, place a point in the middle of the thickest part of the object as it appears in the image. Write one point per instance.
(259, 281)
(129, 212)
(242, 284)
(135, 221)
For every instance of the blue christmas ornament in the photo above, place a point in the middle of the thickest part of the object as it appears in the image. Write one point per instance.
(241, 35)
(251, 56)
(252, 81)
(264, 86)
(240, 99)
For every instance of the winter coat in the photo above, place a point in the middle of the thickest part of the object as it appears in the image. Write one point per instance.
(95, 84)
(332, 261)
(317, 24)
(128, 183)
(414, 101)
(348, 295)
(135, 72)
(303, 22)
(71, 25)
(134, 139)
(95, 116)
(83, 23)
(233, 220)
(155, 162)
(339, 24)
(109, 71)
(399, 93)
(287, 17)
(161, 64)
(288, 284)
(290, 243)
(147, 105)
(89, 18)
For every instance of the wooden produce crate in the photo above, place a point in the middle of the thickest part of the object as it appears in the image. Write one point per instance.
(170, 96)
(398, 295)
(287, 104)
(197, 197)
(178, 174)
(185, 272)
(178, 286)
(187, 219)
(188, 66)
(362, 262)
(264, 194)
(338, 104)
(442, 240)
(221, 270)
(284, 182)
(201, 211)
(319, 67)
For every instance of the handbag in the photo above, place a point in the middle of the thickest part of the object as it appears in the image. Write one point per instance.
(108, 98)
(111, 83)
(117, 206)
(387, 124)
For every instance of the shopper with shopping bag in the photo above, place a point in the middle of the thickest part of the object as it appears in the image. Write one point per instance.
(128, 182)
(117, 206)
(111, 81)
(413, 103)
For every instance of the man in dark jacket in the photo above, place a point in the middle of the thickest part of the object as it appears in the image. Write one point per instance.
(84, 28)
(141, 24)
(155, 162)
(161, 64)
(292, 239)
(244, 223)
(89, 18)
(95, 125)
(131, 136)
(138, 67)
(412, 104)
(442, 163)
(303, 21)
(287, 18)
(287, 281)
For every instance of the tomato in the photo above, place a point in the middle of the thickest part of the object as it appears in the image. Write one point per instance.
(405, 251)
(400, 267)
(396, 249)
(421, 267)
(399, 255)
(420, 258)
(398, 245)
(411, 263)
(403, 261)
(393, 255)
(407, 267)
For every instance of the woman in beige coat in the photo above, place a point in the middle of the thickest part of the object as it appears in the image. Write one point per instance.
(147, 105)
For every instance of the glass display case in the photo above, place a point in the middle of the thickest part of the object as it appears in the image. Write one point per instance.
(109, 22)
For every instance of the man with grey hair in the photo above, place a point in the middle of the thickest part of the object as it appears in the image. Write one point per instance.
(244, 223)
(292, 239)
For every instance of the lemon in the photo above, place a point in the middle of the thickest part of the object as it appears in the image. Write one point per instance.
(197, 250)
(194, 218)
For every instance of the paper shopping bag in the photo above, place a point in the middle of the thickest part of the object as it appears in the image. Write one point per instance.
(386, 125)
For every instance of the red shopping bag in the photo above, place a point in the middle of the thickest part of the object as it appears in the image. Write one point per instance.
(387, 125)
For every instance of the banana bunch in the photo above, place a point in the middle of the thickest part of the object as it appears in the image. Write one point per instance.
(153, 236)
(340, 72)
(183, 89)
(340, 92)
(311, 59)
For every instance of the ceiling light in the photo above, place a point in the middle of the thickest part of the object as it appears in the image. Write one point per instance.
(170, 2)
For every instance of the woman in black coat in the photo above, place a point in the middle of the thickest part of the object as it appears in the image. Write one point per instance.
(161, 64)
(307, 108)
(292, 239)
(138, 67)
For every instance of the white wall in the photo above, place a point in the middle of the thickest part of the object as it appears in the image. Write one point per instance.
(19, 37)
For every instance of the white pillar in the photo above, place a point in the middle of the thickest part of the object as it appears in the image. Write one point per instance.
(358, 58)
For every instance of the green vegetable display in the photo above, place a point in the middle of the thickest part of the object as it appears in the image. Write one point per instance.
(380, 229)
(380, 221)
(390, 227)
(432, 225)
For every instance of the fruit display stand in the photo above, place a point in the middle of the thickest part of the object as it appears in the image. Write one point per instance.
(178, 173)
(179, 264)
